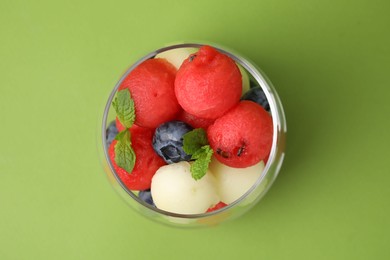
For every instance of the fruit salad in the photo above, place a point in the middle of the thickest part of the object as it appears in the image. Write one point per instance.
(192, 132)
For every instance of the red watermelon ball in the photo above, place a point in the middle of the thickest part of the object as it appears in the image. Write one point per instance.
(151, 85)
(208, 83)
(195, 122)
(243, 136)
(147, 160)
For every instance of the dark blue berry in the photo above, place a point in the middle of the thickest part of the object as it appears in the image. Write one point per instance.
(168, 141)
(111, 132)
(146, 196)
(257, 95)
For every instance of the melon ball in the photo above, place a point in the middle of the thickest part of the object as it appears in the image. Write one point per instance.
(176, 56)
(232, 183)
(174, 190)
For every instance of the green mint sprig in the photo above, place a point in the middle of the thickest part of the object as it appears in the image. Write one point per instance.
(125, 111)
(202, 161)
(195, 143)
(124, 153)
(124, 107)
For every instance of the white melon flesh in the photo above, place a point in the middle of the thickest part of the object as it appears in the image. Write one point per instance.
(176, 56)
(174, 190)
(232, 183)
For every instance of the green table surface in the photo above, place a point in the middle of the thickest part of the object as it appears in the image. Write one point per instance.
(329, 61)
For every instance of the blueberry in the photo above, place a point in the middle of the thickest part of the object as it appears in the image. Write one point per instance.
(257, 95)
(168, 141)
(111, 132)
(146, 196)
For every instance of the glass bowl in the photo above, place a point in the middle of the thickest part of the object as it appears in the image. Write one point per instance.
(234, 209)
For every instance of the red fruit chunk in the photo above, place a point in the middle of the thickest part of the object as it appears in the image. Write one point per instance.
(243, 136)
(208, 83)
(151, 85)
(195, 122)
(217, 206)
(146, 164)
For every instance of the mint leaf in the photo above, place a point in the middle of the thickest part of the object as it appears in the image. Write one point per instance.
(195, 143)
(124, 153)
(125, 111)
(194, 140)
(203, 159)
(196, 155)
(124, 107)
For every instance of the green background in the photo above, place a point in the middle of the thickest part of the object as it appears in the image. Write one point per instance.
(329, 61)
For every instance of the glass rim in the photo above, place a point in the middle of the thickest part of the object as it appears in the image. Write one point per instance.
(278, 119)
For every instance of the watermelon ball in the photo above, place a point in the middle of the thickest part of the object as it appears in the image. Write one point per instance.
(208, 83)
(195, 122)
(218, 206)
(151, 85)
(146, 164)
(243, 136)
